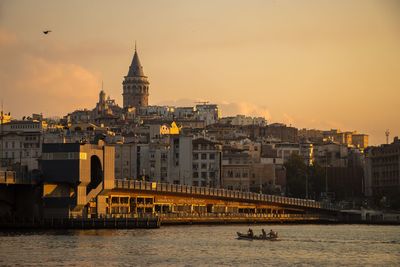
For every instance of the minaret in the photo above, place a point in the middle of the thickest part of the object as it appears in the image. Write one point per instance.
(135, 85)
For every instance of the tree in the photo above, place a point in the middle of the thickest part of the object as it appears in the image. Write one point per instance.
(296, 171)
(316, 180)
(299, 175)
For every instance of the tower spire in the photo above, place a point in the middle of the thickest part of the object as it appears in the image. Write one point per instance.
(135, 69)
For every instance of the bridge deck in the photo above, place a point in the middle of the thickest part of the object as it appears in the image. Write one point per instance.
(220, 193)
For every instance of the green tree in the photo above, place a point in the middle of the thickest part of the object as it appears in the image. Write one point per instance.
(296, 171)
(316, 180)
(299, 175)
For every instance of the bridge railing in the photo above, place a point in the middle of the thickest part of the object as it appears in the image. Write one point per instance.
(207, 191)
(183, 215)
(194, 215)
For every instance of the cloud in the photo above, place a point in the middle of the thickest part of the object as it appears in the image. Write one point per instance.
(31, 82)
(287, 119)
(244, 108)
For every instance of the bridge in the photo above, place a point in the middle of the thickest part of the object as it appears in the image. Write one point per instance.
(191, 204)
(78, 181)
(169, 203)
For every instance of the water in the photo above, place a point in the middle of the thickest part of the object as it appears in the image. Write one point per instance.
(299, 245)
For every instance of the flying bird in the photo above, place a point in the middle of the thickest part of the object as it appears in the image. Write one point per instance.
(46, 32)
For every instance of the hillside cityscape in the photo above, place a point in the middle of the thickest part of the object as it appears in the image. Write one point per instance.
(196, 146)
(199, 133)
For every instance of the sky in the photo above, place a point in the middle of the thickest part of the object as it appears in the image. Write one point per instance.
(310, 64)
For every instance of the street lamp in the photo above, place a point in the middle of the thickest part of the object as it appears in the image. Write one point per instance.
(326, 175)
(306, 184)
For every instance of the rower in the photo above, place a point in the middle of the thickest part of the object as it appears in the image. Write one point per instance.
(271, 233)
(264, 234)
(250, 233)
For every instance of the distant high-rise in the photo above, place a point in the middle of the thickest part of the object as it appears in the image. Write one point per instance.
(135, 85)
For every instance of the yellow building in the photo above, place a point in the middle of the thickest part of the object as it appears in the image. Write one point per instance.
(5, 118)
(360, 140)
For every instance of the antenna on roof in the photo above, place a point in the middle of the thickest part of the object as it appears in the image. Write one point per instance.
(135, 45)
(1, 133)
(387, 136)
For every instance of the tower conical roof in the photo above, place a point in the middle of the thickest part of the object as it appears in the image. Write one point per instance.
(135, 68)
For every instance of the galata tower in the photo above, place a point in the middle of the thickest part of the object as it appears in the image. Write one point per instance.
(135, 85)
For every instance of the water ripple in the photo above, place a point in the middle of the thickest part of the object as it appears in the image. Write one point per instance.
(299, 245)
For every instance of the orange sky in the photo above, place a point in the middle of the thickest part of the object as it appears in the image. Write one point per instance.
(315, 64)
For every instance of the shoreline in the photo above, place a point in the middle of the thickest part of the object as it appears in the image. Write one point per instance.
(100, 224)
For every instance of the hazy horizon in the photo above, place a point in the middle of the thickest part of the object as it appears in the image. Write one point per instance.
(309, 64)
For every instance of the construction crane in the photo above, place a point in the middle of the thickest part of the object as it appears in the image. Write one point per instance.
(202, 102)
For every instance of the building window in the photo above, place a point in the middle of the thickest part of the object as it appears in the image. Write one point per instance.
(212, 155)
(195, 156)
(204, 166)
(195, 175)
(203, 156)
(203, 175)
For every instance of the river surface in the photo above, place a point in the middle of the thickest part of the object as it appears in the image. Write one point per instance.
(216, 245)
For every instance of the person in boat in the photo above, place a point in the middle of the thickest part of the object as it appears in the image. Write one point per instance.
(250, 233)
(271, 234)
(264, 234)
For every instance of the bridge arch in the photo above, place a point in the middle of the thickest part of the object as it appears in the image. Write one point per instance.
(96, 173)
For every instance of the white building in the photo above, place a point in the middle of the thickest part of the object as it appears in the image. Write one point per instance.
(160, 111)
(21, 143)
(173, 159)
(331, 154)
(132, 161)
(207, 160)
(184, 112)
(209, 113)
